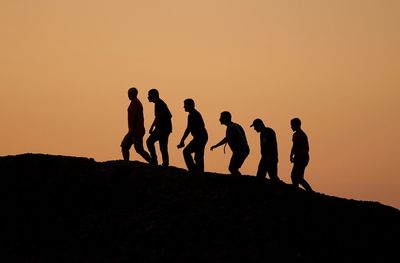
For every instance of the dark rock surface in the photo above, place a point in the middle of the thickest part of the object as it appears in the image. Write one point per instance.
(70, 209)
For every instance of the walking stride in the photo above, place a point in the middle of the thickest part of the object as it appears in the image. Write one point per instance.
(136, 128)
(269, 151)
(160, 129)
(299, 155)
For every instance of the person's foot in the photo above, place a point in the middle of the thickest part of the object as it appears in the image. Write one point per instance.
(153, 162)
(195, 173)
(164, 164)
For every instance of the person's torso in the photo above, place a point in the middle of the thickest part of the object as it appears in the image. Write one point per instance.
(163, 115)
(196, 124)
(135, 117)
(300, 145)
(236, 137)
(269, 145)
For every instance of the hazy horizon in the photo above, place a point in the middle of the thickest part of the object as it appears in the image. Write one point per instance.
(67, 65)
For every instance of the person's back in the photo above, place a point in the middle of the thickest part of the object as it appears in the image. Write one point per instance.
(196, 124)
(135, 117)
(300, 146)
(163, 116)
(269, 145)
(236, 136)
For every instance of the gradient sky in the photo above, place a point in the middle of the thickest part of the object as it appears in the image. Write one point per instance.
(66, 67)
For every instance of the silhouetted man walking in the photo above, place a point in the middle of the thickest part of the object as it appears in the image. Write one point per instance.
(299, 155)
(236, 139)
(136, 128)
(196, 127)
(269, 151)
(160, 129)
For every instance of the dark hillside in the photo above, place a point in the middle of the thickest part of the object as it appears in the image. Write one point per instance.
(69, 209)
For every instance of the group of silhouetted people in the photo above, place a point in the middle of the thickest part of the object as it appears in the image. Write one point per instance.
(235, 138)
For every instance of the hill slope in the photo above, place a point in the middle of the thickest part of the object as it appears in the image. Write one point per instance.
(69, 209)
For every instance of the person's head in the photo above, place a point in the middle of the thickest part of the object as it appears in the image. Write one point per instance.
(225, 117)
(132, 93)
(258, 124)
(295, 124)
(188, 104)
(153, 95)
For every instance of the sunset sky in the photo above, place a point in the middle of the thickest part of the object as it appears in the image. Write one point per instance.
(66, 67)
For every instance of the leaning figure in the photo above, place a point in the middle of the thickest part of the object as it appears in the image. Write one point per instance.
(235, 137)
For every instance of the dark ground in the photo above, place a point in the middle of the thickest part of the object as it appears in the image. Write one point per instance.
(69, 209)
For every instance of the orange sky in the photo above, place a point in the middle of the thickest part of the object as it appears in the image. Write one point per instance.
(66, 66)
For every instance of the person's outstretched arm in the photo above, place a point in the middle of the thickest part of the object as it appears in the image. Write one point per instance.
(222, 142)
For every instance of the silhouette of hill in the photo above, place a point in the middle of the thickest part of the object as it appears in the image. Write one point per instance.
(70, 209)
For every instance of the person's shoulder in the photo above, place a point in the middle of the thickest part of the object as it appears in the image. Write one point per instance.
(299, 135)
(196, 112)
(230, 127)
(136, 101)
(235, 126)
(133, 104)
(160, 104)
(302, 133)
(163, 102)
(239, 129)
(270, 130)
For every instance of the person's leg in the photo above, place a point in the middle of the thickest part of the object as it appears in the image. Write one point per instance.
(296, 174)
(273, 172)
(150, 146)
(199, 156)
(302, 181)
(125, 146)
(262, 168)
(237, 161)
(242, 157)
(164, 149)
(187, 155)
(233, 167)
(138, 144)
(306, 185)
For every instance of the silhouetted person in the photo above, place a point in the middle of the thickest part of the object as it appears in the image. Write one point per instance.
(236, 139)
(160, 129)
(136, 128)
(196, 127)
(299, 155)
(269, 151)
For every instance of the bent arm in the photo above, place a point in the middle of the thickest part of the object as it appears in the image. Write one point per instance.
(185, 135)
(152, 126)
(292, 154)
